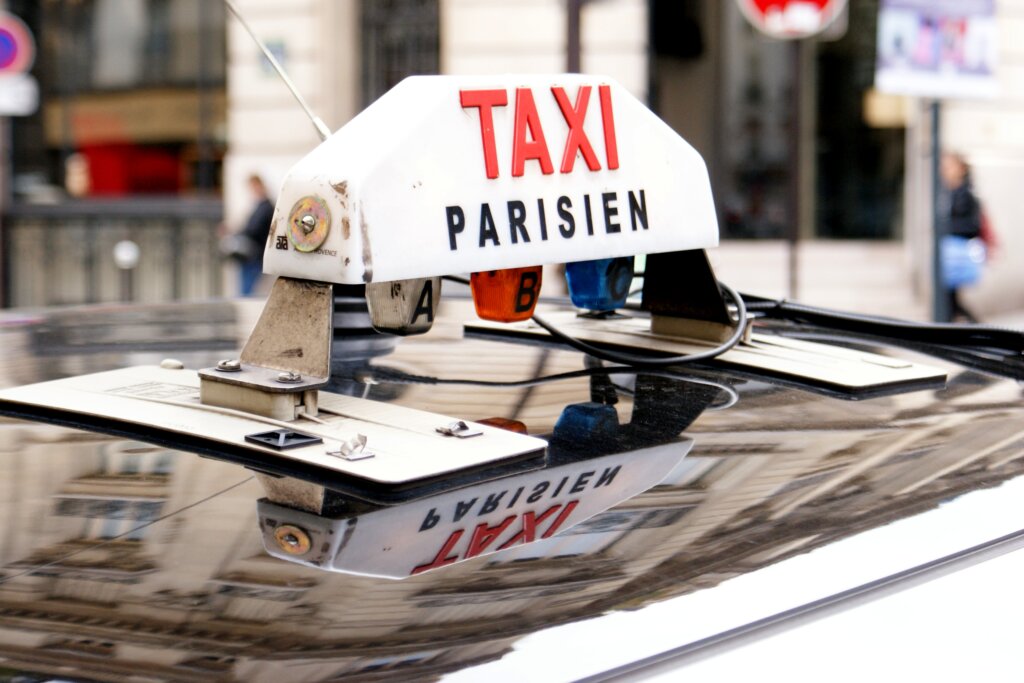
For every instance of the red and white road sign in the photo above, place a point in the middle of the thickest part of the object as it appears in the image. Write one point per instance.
(792, 18)
(17, 47)
(19, 91)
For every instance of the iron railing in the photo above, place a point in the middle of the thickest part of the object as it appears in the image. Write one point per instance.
(63, 253)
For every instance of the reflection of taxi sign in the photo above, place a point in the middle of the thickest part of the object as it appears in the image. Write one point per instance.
(446, 175)
(435, 532)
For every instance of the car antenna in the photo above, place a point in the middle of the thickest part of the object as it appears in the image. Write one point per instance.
(321, 128)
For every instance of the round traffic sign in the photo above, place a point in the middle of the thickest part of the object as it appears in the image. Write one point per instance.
(792, 18)
(17, 47)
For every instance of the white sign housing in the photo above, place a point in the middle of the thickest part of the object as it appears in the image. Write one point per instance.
(449, 174)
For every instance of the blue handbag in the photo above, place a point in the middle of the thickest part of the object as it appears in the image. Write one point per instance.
(961, 259)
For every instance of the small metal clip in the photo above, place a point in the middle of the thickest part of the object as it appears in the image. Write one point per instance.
(459, 429)
(352, 449)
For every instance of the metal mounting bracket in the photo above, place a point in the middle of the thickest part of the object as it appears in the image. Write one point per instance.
(682, 295)
(286, 359)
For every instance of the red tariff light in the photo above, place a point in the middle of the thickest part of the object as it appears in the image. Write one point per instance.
(506, 424)
(506, 296)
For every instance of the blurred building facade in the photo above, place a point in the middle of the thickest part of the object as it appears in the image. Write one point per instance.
(125, 146)
(183, 106)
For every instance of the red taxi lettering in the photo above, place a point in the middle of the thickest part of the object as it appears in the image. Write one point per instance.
(484, 535)
(528, 140)
(566, 511)
(611, 146)
(442, 558)
(529, 531)
(577, 139)
(527, 118)
(485, 100)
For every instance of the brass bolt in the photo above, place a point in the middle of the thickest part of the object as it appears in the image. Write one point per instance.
(292, 539)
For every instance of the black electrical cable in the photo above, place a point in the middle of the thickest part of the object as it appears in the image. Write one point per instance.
(393, 376)
(648, 361)
(940, 334)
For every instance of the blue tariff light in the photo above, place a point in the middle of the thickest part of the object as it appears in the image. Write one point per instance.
(584, 422)
(600, 285)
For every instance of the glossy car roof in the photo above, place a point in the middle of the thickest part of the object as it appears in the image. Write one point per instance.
(126, 561)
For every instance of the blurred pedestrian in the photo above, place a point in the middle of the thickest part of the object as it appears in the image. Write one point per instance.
(962, 252)
(246, 246)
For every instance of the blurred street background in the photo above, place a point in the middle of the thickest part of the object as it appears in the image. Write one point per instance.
(151, 116)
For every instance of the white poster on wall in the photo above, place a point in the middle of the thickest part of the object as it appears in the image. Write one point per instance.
(937, 48)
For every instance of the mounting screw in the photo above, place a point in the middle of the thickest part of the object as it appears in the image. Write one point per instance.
(289, 377)
(308, 223)
(229, 365)
(292, 539)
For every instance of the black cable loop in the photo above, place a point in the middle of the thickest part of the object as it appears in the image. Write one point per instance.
(646, 361)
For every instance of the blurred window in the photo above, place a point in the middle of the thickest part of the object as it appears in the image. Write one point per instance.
(132, 99)
(731, 92)
(400, 38)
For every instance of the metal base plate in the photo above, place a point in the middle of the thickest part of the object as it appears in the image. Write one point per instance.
(410, 458)
(845, 370)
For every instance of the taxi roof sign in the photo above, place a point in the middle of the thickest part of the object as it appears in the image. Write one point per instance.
(448, 174)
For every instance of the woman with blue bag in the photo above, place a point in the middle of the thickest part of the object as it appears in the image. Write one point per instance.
(961, 249)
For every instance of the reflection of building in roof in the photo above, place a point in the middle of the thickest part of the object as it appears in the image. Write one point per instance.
(89, 583)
